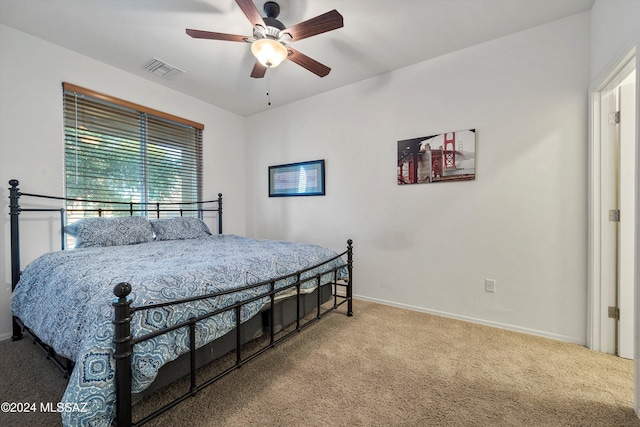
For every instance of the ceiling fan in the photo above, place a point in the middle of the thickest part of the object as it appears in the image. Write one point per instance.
(270, 40)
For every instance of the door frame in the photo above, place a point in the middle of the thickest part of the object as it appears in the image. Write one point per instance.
(598, 337)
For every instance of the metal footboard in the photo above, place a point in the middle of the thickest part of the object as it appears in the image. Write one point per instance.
(124, 341)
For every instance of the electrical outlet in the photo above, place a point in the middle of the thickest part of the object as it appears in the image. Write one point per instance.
(489, 285)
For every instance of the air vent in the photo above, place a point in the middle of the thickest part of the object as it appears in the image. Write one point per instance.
(162, 69)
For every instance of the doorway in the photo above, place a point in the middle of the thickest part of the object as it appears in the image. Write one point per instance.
(626, 203)
(613, 201)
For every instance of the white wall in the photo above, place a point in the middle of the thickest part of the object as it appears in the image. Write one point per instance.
(522, 221)
(31, 139)
(615, 30)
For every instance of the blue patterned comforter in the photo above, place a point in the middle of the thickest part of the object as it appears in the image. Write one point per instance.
(65, 299)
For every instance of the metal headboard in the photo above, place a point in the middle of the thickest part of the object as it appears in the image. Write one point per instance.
(132, 208)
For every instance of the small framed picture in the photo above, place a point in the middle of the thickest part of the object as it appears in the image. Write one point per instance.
(297, 179)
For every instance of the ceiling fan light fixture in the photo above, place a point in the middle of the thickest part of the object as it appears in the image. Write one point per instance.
(271, 38)
(269, 52)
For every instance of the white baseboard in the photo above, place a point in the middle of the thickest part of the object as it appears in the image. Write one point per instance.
(514, 328)
(6, 336)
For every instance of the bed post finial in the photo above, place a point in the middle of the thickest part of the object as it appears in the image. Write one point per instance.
(122, 290)
(123, 349)
(350, 284)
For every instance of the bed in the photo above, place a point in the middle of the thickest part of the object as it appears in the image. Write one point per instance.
(142, 302)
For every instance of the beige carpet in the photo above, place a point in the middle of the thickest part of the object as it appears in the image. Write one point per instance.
(383, 367)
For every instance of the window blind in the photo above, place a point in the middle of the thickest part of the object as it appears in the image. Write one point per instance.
(119, 151)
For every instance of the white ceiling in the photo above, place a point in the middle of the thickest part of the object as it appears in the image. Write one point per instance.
(378, 36)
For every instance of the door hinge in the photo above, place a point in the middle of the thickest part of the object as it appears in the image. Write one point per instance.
(614, 215)
(614, 313)
(614, 118)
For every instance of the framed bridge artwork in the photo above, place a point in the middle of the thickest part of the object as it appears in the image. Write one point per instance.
(445, 157)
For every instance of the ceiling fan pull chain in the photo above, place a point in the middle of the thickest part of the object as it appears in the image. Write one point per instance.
(269, 90)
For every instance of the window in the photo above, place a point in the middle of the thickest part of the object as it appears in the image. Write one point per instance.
(119, 151)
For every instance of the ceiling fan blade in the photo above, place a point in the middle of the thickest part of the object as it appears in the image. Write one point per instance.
(198, 34)
(310, 64)
(320, 24)
(258, 71)
(251, 12)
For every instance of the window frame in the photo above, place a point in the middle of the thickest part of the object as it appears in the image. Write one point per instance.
(144, 114)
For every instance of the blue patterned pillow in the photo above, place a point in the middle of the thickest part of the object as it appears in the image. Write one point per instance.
(179, 228)
(102, 231)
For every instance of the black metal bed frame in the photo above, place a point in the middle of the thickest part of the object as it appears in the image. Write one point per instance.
(123, 310)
